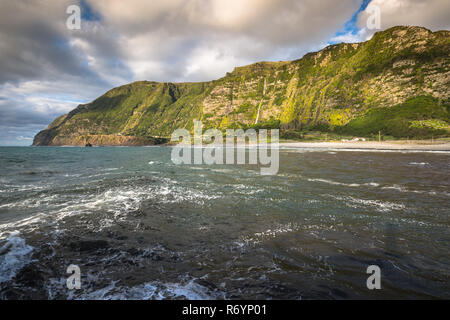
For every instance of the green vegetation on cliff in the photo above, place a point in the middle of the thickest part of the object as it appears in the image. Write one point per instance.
(417, 117)
(397, 83)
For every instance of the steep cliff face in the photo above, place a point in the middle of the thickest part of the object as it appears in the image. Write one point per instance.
(326, 89)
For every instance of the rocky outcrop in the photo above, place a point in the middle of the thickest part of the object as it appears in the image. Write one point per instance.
(96, 140)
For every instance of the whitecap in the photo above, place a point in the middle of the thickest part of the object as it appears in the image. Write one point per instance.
(418, 163)
(189, 290)
(371, 184)
(382, 206)
(14, 255)
(271, 233)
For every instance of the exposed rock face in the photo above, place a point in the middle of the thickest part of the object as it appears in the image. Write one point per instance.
(96, 140)
(330, 87)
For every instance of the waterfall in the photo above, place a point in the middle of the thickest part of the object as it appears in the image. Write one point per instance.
(260, 103)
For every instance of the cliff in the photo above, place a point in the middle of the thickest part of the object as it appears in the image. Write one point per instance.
(401, 74)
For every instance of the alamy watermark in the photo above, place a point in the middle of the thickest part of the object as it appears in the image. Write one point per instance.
(373, 17)
(74, 280)
(374, 280)
(233, 147)
(73, 22)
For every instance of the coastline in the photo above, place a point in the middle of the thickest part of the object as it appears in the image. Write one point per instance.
(398, 145)
(372, 145)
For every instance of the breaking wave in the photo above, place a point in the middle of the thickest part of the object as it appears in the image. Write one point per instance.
(371, 184)
(189, 290)
(14, 255)
(378, 205)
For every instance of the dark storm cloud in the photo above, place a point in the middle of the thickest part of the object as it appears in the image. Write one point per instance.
(41, 58)
(33, 44)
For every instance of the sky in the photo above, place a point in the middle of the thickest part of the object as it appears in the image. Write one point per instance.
(47, 69)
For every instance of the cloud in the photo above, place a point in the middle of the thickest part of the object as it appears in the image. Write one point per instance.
(431, 14)
(44, 69)
(33, 42)
(202, 39)
(28, 108)
(350, 37)
(282, 22)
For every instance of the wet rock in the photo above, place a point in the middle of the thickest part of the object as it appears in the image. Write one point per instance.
(30, 276)
(89, 245)
(134, 252)
(155, 257)
(10, 294)
(130, 262)
(138, 213)
(207, 284)
(141, 240)
(147, 228)
(339, 293)
(28, 284)
(116, 235)
(175, 258)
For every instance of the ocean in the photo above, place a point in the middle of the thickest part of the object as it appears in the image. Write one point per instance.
(140, 227)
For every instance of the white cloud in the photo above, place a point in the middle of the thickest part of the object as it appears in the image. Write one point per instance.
(202, 39)
(351, 37)
(431, 14)
(20, 138)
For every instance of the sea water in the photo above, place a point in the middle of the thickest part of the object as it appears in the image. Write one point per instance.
(140, 227)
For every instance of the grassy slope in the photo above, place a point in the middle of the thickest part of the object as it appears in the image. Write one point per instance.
(418, 117)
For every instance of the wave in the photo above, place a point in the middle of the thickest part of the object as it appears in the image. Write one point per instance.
(371, 184)
(35, 202)
(26, 187)
(155, 162)
(271, 233)
(14, 255)
(395, 187)
(189, 290)
(381, 206)
(404, 189)
(115, 202)
(244, 189)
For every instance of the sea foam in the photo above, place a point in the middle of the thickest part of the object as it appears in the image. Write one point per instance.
(14, 255)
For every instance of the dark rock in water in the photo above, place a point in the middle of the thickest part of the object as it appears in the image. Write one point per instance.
(116, 235)
(10, 294)
(89, 245)
(135, 252)
(30, 276)
(339, 293)
(207, 284)
(88, 145)
(155, 257)
(28, 284)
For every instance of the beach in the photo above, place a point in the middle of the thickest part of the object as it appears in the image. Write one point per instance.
(373, 145)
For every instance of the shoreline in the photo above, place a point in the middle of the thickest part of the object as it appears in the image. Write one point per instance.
(371, 145)
(398, 145)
